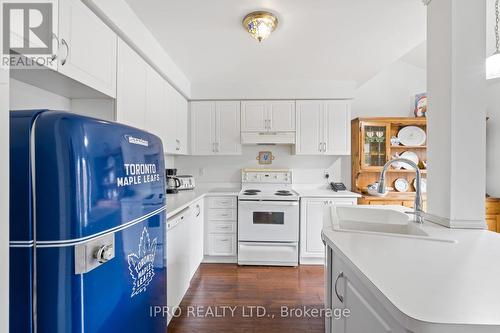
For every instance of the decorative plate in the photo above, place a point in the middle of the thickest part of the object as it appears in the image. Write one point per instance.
(401, 185)
(412, 136)
(409, 155)
(423, 184)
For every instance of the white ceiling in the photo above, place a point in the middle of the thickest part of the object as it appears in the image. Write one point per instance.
(315, 39)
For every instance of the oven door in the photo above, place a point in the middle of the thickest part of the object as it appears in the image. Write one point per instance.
(272, 221)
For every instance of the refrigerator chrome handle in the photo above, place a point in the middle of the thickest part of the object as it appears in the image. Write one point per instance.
(94, 253)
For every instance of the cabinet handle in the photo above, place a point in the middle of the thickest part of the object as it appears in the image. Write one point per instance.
(199, 210)
(341, 299)
(54, 56)
(63, 42)
(325, 147)
(224, 240)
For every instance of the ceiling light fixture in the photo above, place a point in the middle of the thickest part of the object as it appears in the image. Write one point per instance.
(260, 24)
(493, 62)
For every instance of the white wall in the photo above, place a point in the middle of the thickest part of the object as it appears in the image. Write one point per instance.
(391, 92)
(226, 169)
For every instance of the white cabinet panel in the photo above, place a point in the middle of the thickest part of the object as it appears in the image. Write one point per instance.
(254, 116)
(281, 116)
(337, 128)
(222, 227)
(215, 128)
(87, 47)
(227, 126)
(131, 93)
(313, 211)
(268, 116)
(202, 128)
(156, 117)
(221, 245)
(222, 202)
(222, 214)
(309, 127)
(177, 126)
(196, 236)
(323, 128)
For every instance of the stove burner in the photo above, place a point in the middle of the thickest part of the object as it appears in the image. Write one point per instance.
(249, 193)
(255, 191)
(283, 193)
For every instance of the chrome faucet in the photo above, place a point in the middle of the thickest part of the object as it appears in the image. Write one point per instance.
(417, 209)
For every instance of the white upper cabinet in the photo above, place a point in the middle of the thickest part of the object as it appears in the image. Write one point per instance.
(323, 128)
(131, 87)
(215, 128)
(268, 116)
(281, 116)
(177, 121)
(87, 47)
(309, 127)
(337, 130)
(202, 128)
(227, 125)
(254, 116)
(156, 117)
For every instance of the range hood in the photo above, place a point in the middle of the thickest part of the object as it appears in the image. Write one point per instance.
(283, 138)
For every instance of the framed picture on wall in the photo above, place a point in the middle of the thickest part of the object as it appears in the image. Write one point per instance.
(265, 157)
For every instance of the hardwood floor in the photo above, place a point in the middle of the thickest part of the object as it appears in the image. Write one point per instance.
(217, 285)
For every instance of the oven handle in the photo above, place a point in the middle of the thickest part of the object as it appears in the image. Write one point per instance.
(274, 203)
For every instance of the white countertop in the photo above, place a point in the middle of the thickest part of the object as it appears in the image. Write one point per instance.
(430, 281)
(312, 192)
(176, 202)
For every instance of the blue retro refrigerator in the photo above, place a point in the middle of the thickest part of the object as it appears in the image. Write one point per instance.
(87, 225)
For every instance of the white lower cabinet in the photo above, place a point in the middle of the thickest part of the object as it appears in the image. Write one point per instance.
(184, 251)
(344, 290)
(312, 212)
(221, 245)
(178, 258)
(221, 229)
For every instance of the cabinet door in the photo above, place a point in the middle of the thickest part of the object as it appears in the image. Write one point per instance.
(309, 128)
(364, 317)
(181, 107)
(311, 225)
(281, 116)
(221, 245)
(131, 94)
(196, 237)
(337, 128)
(202, 128)
(156, 111)
(254, 116)
(171, 145)
(227, 125)
(88, 47)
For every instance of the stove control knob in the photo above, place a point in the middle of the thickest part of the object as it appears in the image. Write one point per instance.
(104, 254)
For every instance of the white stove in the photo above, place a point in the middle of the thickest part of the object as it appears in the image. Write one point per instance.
(268, 218)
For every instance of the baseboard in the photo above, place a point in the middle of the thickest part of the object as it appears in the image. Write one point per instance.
(219, 260)
(312, 261)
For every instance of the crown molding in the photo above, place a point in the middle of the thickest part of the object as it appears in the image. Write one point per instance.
(426, 2)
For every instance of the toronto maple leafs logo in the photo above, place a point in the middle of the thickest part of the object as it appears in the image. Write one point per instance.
(140, 264)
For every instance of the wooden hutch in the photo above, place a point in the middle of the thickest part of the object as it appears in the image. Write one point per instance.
(371, 148)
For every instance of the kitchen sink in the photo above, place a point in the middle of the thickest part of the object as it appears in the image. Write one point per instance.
(382, 221)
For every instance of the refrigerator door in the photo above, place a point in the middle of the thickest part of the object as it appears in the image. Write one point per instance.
(99, 222)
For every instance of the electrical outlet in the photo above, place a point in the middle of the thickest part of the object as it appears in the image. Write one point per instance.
(201, 171)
